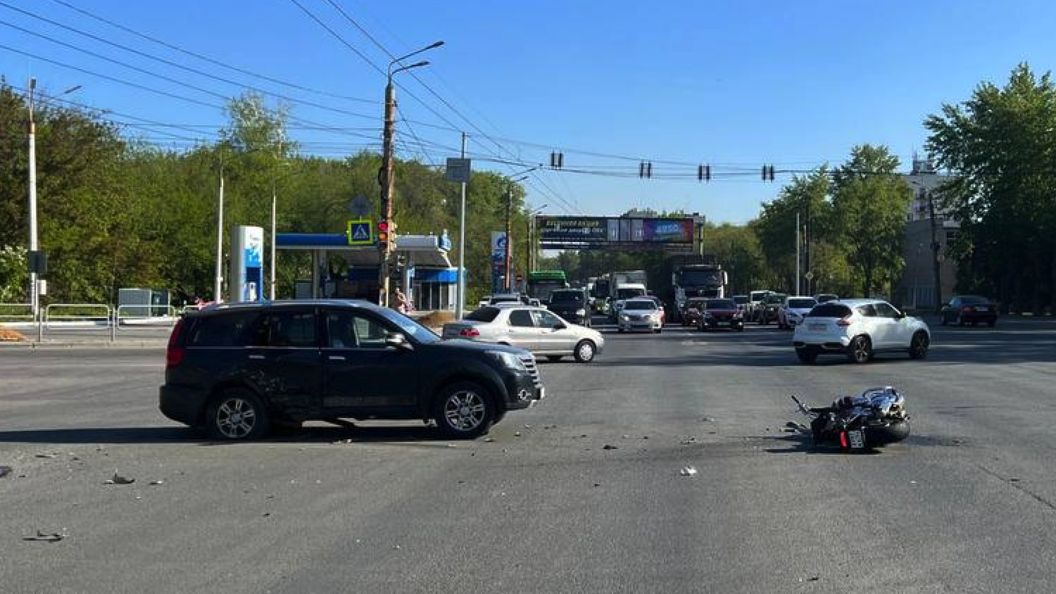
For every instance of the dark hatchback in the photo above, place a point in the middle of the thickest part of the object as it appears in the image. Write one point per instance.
(237, 369)
(718, 313)
(571, 304)
(969, 309)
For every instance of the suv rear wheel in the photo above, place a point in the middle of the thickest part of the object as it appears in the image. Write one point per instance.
(860, 350)
(237, 414)
(464, 410)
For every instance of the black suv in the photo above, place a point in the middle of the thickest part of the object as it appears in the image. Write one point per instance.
(572, 305)
(236, 369)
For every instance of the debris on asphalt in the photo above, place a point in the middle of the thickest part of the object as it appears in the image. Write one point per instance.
(688, 471)
(119, 480)
(707, 419)
(343, 441)
(527, 426)
(1013, 479)
(516, 433)
(4, 471)
(157, 482)
(489, 439)
(689, 441)
(645, 437)
(597, 484)
(46, 455)
(265, 514)
(625, 437)
(609, 447)
(45, 536)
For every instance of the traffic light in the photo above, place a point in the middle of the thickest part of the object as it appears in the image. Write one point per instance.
(383, 235)
(768, 173)
(704, 173)
(557, 160)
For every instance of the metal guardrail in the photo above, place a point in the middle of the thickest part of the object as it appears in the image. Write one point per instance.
(107, 318)
(170, 317)
(26, 317)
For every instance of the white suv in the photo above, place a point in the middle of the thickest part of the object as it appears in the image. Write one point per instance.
(858, 328)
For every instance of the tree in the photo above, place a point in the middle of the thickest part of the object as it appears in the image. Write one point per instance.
(1001, 146)
(869, 211)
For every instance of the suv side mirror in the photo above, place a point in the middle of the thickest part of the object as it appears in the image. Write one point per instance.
(397, 341)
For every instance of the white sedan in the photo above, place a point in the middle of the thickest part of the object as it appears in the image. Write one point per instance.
(534, 328)
(858, 328)
(640, 314)
(793, 310)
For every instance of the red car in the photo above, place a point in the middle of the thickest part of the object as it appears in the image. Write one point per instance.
(718, 313)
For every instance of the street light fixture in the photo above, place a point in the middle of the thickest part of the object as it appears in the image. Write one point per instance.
(34, 248)
(386, 176)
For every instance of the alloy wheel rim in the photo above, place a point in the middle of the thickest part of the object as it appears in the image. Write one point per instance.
(464, 410)
(235, 418)
(586, 352)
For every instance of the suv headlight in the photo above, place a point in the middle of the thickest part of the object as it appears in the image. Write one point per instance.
(508, 360)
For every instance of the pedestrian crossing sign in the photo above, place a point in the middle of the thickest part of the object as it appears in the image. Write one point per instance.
(360, 232)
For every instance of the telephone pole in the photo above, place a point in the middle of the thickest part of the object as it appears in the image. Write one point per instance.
(507, 256)
(385, 175)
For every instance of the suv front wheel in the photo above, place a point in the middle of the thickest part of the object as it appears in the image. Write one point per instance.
(464, 411)
(237, 414)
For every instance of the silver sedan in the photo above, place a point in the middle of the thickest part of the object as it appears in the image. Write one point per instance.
(534, 328)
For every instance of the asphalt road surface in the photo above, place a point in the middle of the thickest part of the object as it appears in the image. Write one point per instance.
(967, 504)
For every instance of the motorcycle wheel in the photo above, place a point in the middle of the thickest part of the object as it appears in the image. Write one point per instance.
(880, 436)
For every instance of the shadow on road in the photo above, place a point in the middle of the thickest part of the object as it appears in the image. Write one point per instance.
(163, 435)
(799, 443)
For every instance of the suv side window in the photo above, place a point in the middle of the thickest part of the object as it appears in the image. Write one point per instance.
(886, 311)
(222, 330)
(294, 328)
(867, 310)
(522, 318)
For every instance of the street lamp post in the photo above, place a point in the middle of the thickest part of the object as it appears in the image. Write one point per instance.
(529, 252)
(31, 131)
(386, 177)
(508, 255)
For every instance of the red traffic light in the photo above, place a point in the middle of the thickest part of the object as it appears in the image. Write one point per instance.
(383, 226)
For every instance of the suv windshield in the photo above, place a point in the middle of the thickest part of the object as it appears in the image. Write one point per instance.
(409, 326)
(570, 297)
(830, 310)
(629, 293)
(640, 304)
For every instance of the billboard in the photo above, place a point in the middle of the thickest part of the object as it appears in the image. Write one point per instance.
(614, 232)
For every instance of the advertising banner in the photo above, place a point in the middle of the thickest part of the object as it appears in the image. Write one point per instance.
(614, 232)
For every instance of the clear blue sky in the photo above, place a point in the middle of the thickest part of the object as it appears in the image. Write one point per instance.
(733, 84)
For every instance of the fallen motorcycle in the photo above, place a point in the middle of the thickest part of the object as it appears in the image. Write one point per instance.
(872, 419)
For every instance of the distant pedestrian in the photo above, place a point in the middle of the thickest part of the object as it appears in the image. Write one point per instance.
(402, 304)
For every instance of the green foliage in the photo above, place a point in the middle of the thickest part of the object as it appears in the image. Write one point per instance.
(116, 213)
(14, 275)
(869, 211)
(1001, 144)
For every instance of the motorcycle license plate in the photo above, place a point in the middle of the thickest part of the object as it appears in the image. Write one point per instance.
(856, 440)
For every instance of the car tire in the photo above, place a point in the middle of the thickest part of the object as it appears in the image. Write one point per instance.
(807, 355)
(464, 410)
(585, 351)
(237, 414)
(553, 358)
(918, 345)
(860, 350)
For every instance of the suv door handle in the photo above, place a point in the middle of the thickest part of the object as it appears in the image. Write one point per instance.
(257, 357)
(336, 358)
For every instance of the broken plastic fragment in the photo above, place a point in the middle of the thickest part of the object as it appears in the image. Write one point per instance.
(688, 471)
(45, 537)
(46, 455)
(157, 482)
(4, 471)
(119, 480)
(609, 447)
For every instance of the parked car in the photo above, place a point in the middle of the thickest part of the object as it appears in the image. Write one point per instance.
(825, 297)
(969, 309)
(640, 314)
(767, 311)
(237, 369)
(858, 328)
(571, 304)
(692, 310)
(721, 312)
(540, 331)
(793, 310)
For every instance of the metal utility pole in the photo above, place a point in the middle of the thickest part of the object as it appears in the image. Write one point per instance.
(385, 176)
(934, 252)
(507, 255)
(219, 280)
(34, 284)
(271, 280)
(460, 301)
(806, 251)
(798, 276)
